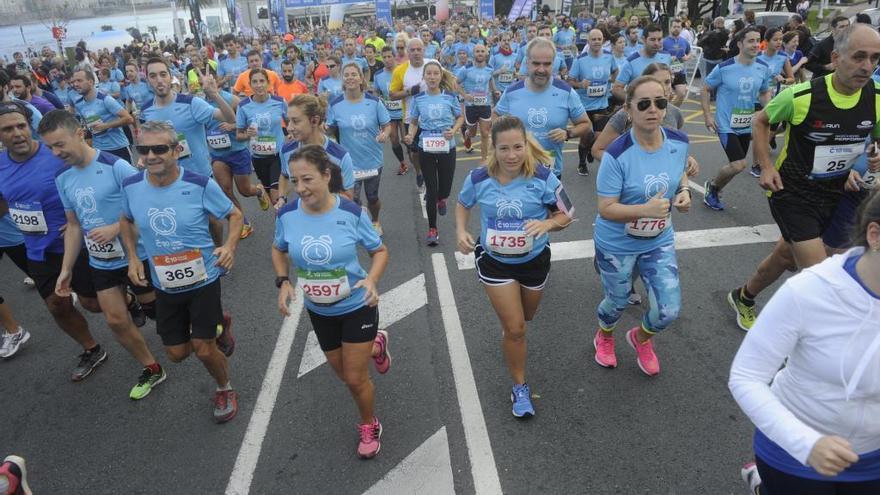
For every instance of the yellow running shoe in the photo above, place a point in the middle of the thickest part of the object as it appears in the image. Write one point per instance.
(263, 198)
(246, 231)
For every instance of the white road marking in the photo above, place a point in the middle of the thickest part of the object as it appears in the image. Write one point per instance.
(483, 469)
(422, 204)
(426, 471)
(394, 305)
(689, 239)
(697, 187)
(252, 444)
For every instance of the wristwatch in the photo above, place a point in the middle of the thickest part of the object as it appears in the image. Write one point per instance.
(281, 280)
(567, 133)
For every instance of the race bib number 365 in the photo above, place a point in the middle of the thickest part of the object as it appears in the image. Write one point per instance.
(180, 269)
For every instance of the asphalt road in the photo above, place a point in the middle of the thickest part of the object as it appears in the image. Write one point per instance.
(444, 404)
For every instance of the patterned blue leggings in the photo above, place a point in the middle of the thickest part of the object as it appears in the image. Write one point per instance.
(659, 271)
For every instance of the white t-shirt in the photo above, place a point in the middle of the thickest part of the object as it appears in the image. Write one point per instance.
(411, 77)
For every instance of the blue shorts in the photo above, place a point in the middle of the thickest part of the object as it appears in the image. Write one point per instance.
(239, 161)
(839, 233)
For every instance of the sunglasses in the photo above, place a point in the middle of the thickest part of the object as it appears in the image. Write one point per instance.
(157, 149)
(660, 103)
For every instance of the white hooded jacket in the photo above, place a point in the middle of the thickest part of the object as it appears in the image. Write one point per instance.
(829, 327)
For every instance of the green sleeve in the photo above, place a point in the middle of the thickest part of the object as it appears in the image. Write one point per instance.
(781, 107)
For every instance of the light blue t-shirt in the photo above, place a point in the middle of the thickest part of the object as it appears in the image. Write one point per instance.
(504, 210)
(217, 143)
(466, 46)
(232, 67)
(360, 61)
(507, 63)
(189, 115)
(776, 63)
(596, 70)
(382, 83)
(564, 37)
(323, 248)
(431, 49)
(475, 81)
(634, 176)
(737, 88)
(173, 222)
(102, 108)
(338, 155)
(542, 112)
(94, 194)
(140, 93)
(677, 48)
(436, 113)
(331, 86)
(636, 64)
(109, 87)
(630, 49)
(9, 233)
(268, 116)
(359, 124)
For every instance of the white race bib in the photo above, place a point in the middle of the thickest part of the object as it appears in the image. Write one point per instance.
(29, 218)
(435, 144)
(184, 146)
(741, 118)
(324, 287)
(180, 269)
(507, 237)
(596, 91)
(365, 174)
(647, 228)
(480, 100)
(835, 160)
(567, 53)
(393, 104)
(870, 180)
(219, 141)
(584, 36)
(104, 251)
(506, 77)
(676, 67)
(264, 145)
(94, 119)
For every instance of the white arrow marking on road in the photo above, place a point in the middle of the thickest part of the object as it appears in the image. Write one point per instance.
(394, 305)
(689, 239)
(483, 468)
(252, 444)
(426, 471)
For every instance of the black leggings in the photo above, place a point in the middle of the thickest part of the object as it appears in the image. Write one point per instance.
(775, 482)
(18, 255)
(438, 170)
(268, 168)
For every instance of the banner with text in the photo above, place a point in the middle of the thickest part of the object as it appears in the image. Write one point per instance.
(383, 12)
(293, 4)
(487, 9)
(278, 15)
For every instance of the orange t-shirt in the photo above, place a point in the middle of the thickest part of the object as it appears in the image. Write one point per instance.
(243, 83)
(288, 90)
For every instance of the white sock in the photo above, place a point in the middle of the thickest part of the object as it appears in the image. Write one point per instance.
(228, 386)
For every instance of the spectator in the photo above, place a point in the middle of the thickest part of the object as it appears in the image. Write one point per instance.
(714, 45)
(803, 7)
(820, 57)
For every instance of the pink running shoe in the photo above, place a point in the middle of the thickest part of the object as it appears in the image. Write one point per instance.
(603, 342)
(369, 445)
(645, 351)
(383, 359)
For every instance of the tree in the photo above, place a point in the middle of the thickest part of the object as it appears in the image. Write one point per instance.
(54, 15)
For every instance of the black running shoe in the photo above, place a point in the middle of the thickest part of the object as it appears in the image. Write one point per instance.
(583, 170)
(136, 311)
(88, 361)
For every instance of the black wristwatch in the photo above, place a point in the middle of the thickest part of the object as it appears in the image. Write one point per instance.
(281, 280)
(567, 134)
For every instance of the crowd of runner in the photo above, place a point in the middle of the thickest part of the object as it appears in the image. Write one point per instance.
(122, 178)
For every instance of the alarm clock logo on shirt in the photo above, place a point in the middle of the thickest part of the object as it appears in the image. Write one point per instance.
(317, 251)
(162, 221)
(85, 200)
(746, 84)
(359, 122)
(656, 184)
(508, 208)
(537, 117)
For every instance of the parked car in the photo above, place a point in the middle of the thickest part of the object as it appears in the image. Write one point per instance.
(769, 19)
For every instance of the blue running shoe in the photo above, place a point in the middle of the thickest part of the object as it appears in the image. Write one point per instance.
(711, 198)
(755, 171)
(521, 397)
